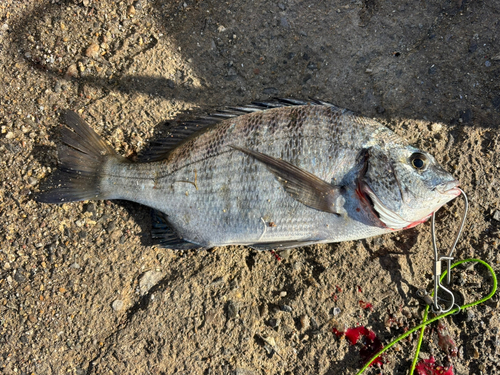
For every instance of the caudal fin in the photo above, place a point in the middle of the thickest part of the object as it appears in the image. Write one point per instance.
(82, 155)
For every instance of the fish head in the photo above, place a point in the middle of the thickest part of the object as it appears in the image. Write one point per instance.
(405, 185)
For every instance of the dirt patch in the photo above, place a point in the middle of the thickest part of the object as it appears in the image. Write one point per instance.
(75, 280)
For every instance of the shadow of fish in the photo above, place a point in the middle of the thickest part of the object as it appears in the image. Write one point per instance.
(269, 175)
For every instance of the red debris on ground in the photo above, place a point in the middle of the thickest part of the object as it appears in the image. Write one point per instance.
(278, 258)
(428, 367)
(445, 341)
(366, 305)
(359, 289)
(370, 345)
(339, 290)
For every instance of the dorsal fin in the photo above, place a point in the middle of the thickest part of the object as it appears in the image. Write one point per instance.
(158, 149)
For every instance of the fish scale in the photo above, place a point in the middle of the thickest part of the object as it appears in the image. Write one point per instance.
(278, 177)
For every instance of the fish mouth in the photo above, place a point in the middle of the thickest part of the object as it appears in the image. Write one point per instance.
(391, 219)
(449, 188)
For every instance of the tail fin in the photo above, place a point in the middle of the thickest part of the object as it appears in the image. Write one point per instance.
(81, 158)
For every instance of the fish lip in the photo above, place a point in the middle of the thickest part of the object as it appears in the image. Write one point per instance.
(449, 188)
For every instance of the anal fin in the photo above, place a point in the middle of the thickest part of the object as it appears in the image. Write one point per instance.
(165, 236)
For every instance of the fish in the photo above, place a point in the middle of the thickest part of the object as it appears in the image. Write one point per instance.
(270, 175)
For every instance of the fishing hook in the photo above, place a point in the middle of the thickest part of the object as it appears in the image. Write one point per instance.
(436, 307)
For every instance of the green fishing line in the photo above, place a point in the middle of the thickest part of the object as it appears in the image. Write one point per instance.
(427, 322)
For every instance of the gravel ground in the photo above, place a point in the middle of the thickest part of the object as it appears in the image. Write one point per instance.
(82, 289)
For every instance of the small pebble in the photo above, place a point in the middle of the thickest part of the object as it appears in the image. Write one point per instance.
(436, 127)
(244, 371)
(10, 135)
(71, 72)
(115, 235)
(89, 207)
(274, 323)
(496, 215)
(138, 5)
(285, 254)
(117, 305)
(111, 226)
(304, 322)
(58, 87)
(336, 311)
(263, 310)
(130, 11)
(217, 282)
(19, 277)
(470, 315)
(283, 294)
(92, 51)
(487, 64)
(148, 280)
(232, 310)
(286, 308)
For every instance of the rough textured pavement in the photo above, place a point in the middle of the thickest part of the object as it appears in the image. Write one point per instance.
(82, 291)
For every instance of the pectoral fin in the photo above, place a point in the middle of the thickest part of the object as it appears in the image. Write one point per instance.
(300, 184)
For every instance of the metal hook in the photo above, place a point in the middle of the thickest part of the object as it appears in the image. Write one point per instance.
(436, 308)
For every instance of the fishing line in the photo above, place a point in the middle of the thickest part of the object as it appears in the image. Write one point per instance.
(432, 320)
(432, 299)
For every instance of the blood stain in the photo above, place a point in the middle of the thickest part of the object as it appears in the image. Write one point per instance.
(365, 305)
(370, 345)
(278, 258)
(428, 367)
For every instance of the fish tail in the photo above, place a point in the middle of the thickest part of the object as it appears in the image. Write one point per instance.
(82, 157)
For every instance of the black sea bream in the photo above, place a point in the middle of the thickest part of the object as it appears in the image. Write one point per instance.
(270, 176)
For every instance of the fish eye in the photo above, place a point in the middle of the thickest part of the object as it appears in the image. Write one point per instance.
(418, 161)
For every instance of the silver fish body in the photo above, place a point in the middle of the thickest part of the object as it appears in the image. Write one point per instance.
(271, 178)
